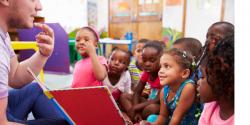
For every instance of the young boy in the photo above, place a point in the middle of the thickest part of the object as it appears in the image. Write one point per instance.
(135, 66)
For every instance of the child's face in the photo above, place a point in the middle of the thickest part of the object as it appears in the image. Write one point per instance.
(204, 89)
(138, 52)
(82, 37)
(118, 62)
(150, 60)
(213, 36)
(170, 71)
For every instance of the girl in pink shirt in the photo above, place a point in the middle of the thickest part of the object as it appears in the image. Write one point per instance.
(216, 86)
(91, 69)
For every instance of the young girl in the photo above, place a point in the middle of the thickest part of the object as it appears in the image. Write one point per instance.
(178, 95)
(91, 69)
(217, 85)
(136, 106)
(118, 79)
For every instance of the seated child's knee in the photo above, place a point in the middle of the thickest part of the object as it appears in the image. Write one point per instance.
(150, 109)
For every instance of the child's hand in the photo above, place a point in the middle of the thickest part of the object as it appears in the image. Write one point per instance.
(90, 47)
(137, 117)
(143, 122)
(45, 39)
(131, 113)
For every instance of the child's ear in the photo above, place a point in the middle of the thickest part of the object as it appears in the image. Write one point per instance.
(185, 73)
(96, 44)
(5, 2)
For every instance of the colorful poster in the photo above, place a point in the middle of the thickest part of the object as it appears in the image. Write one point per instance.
(92, 14)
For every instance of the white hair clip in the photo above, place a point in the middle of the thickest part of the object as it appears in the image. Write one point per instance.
(184, 54)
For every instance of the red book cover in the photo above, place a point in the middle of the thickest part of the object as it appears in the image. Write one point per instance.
(88, 106)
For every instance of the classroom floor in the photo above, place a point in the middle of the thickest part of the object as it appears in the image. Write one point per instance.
(58, 81)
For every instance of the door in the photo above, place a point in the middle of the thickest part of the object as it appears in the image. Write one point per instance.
(142, 17)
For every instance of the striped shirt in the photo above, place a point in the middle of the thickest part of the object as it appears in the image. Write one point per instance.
(135, 73)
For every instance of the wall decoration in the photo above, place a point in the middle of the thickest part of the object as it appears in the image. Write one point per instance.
(92, 13)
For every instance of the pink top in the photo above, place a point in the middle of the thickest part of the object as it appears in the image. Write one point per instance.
(153, 84)
(210, 115)
(83, 75)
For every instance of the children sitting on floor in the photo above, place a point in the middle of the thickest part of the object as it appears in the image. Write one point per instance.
(118, 79)
(91, 69)
(136, 106)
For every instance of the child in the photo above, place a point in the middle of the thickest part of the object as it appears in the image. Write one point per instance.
(217, 85)
(118, 79)
(91, 69)
(178, 95)
(215, 34)
(135, 66)
(136, 106)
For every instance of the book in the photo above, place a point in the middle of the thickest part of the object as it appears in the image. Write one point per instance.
(85, 106)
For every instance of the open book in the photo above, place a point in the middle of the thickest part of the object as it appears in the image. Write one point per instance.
(85, 106)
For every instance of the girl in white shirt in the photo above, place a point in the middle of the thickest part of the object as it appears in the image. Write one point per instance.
(118, 79)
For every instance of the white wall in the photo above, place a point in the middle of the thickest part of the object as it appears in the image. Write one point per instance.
(229, 11)
(200, 15)
(70, 14)
(103, 14)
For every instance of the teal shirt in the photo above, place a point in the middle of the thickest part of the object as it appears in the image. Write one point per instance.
(189, 118)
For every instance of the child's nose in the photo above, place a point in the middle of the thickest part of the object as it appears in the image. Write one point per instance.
(116, 62)
(160, 71)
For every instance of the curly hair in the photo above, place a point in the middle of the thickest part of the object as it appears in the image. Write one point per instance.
(183, 58)
(220, 69)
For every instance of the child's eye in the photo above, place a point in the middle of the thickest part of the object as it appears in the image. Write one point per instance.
(152, 60)
(167, 66)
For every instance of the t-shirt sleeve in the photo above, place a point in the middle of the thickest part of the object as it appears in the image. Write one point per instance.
(3, 90)
(144, 76)
(128, 82)
(206, 113)
(10, 49)
(4, 71)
